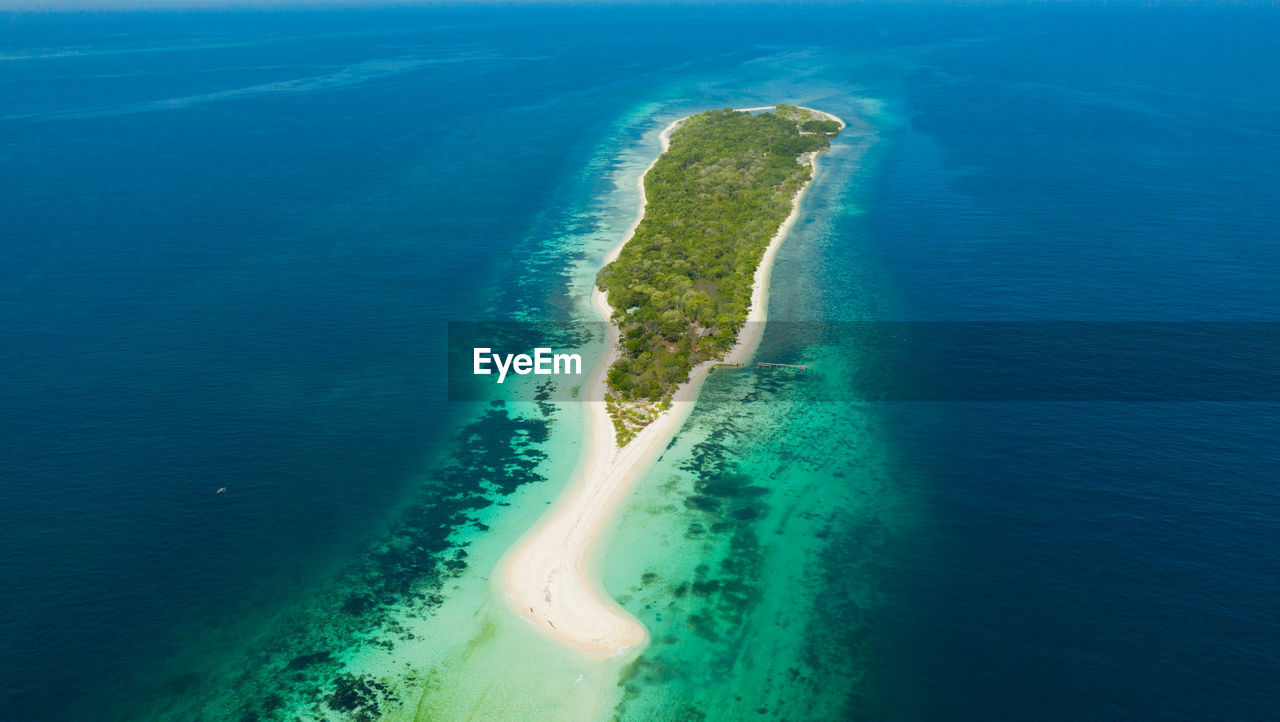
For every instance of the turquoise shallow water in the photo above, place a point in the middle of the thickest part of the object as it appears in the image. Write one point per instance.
(753, 551)
(235, 240)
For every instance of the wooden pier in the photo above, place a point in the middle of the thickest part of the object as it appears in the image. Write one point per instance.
(793, 367)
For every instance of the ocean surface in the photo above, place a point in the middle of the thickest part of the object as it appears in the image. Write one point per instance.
(233, 241)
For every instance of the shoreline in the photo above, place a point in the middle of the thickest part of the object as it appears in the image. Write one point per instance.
(546, 576)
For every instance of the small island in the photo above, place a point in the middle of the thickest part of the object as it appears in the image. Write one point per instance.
(687, 287)
(681, 287)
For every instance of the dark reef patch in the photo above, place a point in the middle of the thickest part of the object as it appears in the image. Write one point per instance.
(725, 505)
(360, 697)
(301, 664)
(303, 661)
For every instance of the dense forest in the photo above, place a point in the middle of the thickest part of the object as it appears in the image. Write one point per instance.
(681, 286)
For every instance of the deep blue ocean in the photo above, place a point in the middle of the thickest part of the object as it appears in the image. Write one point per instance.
(231, 243)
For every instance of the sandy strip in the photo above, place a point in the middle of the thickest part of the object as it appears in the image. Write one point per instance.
(547, 576)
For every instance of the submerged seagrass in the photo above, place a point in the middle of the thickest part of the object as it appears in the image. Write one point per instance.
(681, 287)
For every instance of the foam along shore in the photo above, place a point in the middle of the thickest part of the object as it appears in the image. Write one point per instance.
(548, 577)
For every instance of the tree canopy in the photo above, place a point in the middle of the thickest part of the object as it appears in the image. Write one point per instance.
(681, 287)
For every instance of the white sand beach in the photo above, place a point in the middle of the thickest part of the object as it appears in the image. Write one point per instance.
(548, 576)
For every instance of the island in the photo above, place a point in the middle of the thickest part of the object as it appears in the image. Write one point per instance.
(687, 288)
(681, 287)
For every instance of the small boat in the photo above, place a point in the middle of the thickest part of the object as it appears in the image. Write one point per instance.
(222, 489)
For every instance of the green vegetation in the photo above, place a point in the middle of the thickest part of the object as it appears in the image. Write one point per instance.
(826, 127)
(681, 286)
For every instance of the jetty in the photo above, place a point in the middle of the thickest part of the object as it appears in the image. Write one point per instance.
(793, 367)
